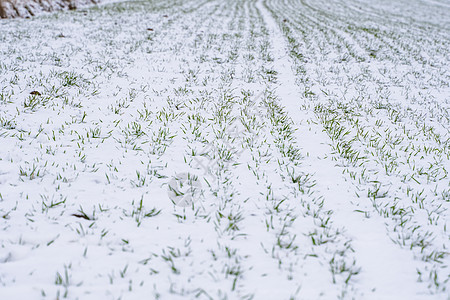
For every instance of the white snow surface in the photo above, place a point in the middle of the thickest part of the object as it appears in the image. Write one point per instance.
(225, 149)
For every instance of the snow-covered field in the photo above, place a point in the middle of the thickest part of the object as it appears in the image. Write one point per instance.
(29, 8)
(226, 149)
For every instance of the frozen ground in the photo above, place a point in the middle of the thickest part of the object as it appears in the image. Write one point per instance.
(29, 8)
(270, 149)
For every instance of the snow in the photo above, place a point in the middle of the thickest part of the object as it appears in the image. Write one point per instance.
(29, 8)
(267, 149)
